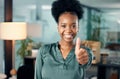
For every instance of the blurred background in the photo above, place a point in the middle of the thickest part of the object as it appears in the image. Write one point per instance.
(100, 23)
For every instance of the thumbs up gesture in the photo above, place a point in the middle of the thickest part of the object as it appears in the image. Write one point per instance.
(81, 53)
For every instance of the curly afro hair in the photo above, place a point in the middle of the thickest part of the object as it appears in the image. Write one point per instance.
(61, 6)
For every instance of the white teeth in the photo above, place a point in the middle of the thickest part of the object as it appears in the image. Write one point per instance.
(68, 36)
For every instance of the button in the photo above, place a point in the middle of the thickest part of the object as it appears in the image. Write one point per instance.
(64, 66)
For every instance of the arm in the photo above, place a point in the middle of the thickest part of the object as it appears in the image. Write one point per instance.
(38, 65)
(84, 55)
(90, 57)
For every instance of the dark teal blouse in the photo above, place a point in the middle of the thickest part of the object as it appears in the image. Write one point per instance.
(51, 65)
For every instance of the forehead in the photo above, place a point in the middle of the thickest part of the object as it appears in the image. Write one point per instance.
(67, 16)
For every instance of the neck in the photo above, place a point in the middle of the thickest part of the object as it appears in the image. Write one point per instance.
(66, 44)
(65, 48)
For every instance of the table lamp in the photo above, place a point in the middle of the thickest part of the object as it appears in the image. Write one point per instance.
(13, 31)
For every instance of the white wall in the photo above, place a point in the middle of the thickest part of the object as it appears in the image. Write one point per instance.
(50, 33)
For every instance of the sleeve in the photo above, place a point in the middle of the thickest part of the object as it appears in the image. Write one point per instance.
(38, 65)
(91, 56)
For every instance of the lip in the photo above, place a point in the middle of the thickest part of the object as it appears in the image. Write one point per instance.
(68, 36)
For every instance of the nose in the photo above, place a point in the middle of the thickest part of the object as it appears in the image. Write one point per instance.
(68, 29)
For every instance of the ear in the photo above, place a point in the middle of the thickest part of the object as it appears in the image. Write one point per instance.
(77, 29)
(57, 28)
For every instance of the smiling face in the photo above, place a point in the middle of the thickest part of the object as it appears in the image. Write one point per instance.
(68, 26)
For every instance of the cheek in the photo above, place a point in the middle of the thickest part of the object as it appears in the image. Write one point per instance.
(59, 30)
(75, 30)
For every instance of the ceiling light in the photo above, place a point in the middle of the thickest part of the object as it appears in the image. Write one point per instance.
(46, 7)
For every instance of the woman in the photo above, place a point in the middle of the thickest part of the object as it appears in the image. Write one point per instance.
(64, 59)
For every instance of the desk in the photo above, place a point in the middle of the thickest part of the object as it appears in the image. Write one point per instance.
(108, 71)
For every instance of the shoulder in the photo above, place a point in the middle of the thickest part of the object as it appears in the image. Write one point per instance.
(47, 47)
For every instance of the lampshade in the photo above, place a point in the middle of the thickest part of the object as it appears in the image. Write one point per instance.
(13, 30)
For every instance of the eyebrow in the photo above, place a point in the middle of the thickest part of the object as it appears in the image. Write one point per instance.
(65, 23)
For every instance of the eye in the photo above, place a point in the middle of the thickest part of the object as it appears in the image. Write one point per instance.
(74, 26)
(64, 26)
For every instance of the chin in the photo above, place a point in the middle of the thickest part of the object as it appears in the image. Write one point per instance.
(69, 40)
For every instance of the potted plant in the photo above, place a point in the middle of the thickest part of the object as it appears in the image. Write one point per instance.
(25, 47)
(35, 48)
(96, 29)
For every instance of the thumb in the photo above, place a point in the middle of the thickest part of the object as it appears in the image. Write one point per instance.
(77, 44)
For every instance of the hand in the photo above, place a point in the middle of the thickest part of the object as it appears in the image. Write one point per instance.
(81, 53)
